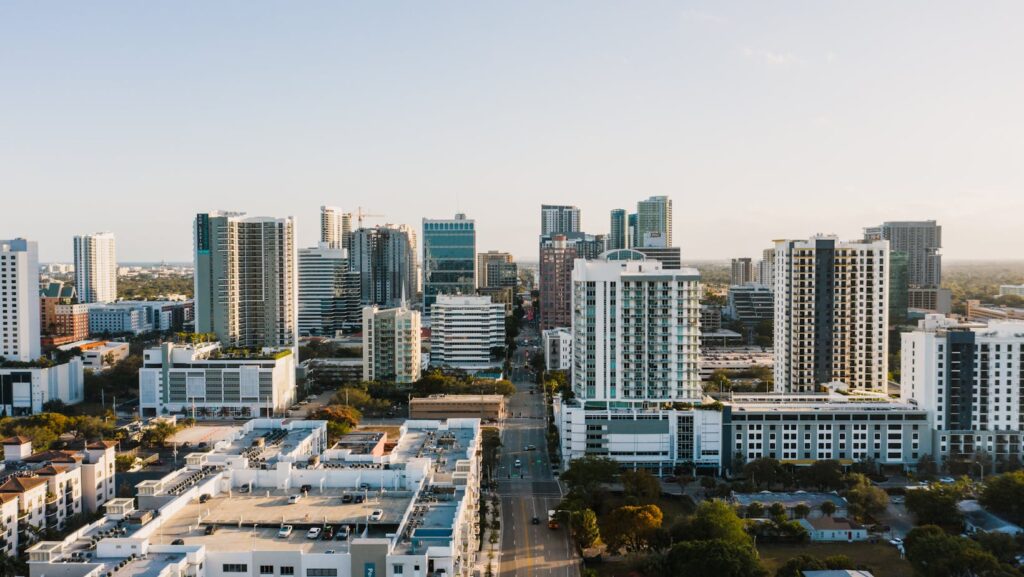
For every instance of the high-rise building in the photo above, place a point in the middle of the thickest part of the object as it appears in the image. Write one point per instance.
(246, 280)
(766, 268)
(465, 331)
(670, 257)
(19, 295)
(385, 259)
(556, 261)
(417, 272)
(636, 331)
(831, 314)
(329, 293)
(391, 345)
(559, 219)
(335, 227)
(922, 243)
(742, 271)
(750, 304)
(654, 215)
(617, 233)
(449, 258)
(496, 269)
(633, 231)
(96, 268)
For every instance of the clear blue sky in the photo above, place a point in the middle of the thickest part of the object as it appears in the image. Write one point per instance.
(762, 120)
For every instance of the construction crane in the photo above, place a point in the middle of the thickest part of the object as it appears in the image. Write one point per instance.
(360, 214)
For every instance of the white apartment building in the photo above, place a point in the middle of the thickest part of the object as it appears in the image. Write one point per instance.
(636, 330)
(206, 380)
(335, 227)
(464, 331)
(391, 345)
(96, 267)
(557, 349)
(19, 300)
(831, 314)
(970, 377)
(24, 390)
(119, 318)
(329, 293)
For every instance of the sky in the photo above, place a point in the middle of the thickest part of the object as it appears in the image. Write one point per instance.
(762, 120)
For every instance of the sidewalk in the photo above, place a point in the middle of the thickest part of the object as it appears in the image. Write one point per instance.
(484, 557)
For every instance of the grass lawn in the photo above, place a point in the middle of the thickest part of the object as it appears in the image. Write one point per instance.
(882, 558)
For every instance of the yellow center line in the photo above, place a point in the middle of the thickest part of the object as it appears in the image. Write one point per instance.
(526, 537)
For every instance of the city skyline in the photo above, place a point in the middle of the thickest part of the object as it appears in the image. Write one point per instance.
(767, 131)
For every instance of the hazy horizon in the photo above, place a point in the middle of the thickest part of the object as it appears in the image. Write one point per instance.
(761, 121)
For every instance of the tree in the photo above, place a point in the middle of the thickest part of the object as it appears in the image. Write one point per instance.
(720, 381)
(340, 414)
(824, 475)
(42, 437)
(645, 487)
(585, 529)
(586, 475)
(934, 553)
(629, 527)
(755, 510)
(1004, 495)
(936, 505)
(123, 463)
(713, 520)
(828, 508)
(801, 511)
(777, 511)
(157, 434)
(766, 472)
(866, 500)
(927, 468)
(89, 428)
(713, 557)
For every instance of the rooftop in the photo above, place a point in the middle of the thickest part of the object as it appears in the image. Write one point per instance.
(813, 500)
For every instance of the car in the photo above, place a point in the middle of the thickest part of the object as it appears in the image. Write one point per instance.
(210, 530)
(306, 488)
(330, 552)
(518, 463)
(178, 542)
(531, 447)
(896, 541)
(342, 534)
(284, 531)
(346, 498)
(947, 480)
(377, 515)
(204, 497)
(535, 521)
(328, 533)
(314, 533)
(364, 486)
(243, 489)
(292, 499)
(358, 499)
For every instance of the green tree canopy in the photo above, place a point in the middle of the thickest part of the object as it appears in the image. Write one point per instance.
(585, 529)
(630, 527)
(934, 553)
(715, 558)
(936, 505)
(1004, 495)
(713, 520)
(645, 487)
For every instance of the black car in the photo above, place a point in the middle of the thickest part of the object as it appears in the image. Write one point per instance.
(178, 542)
(346, 498)
(204, 497)
(535, 521)
(306, 488)
(342, 533)
(210, 530)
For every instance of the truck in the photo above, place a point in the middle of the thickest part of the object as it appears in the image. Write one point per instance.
(552, 519)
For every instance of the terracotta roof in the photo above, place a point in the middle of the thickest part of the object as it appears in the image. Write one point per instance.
(825, 522)
(16, 440)
(53, 470)
(101, 445)
(21, 484)
(7, 497)
(54, 456)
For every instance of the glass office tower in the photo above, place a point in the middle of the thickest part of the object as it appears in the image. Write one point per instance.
(449, 258)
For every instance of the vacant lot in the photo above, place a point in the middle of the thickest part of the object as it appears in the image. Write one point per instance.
(882, 558)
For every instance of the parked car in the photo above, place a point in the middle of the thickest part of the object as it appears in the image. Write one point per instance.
(284, 531)
(377, 515)
(306, 488)
(243, 489)
(314, 533)
(178, 542)
(535, 521)
(358, 499)
(210, 530)
(346, 498)
(328, 533)
(204, 497)
(342, 534)
(330, 552)
(292, 499)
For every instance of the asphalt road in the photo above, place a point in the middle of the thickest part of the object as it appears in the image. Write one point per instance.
(528, 492)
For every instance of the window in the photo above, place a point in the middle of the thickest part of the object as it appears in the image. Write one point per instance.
(397, 569)
(235, 568)
(321, 573)
(286, 570)
(266, 569)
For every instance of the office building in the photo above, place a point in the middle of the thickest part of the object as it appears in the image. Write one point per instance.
(504, 296)
(98, 356)
(25, 390)
(335, 227)
(205, 380)
(70, 324)
(710, 318)
(557, 349)
(96, 267)
(465, 332)
(766, 268)
(19, 290)
(385, 259)
(559, 219)
(449, 258)
(922, 243)
(899, 288)
(976, 311)
(495, 269)
(654, 215)
(391, 345)
(742, 271)
(969, 377)
(417, 271)
(1011, 289)
(557, 256)
(831, 314)
(618, 231)
(329, 293)
(487, 408)
(119, 318)
(933, 299)
(632, 230)
(246, 280)
(669, 257)
(636, 330)
(750, 304)
(52, 294)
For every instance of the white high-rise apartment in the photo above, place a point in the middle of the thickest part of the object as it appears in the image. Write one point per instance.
(335, 227)
(391, 345)
(766, 268)
(653, 216)
(96, 268)
(831, 314)
(742, 271)
(559, 219)
(464, 330)
(19, 300)
(246, 280)
(329, 293)
(636, 331)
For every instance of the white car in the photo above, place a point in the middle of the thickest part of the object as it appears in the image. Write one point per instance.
(518, 463)
(314, 533)
(284, 531)
(377, 515)
(292, 499)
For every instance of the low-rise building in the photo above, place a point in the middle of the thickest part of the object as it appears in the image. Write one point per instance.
(99, 355)
(791, 500)
(557, 349)
(827, 529)
(483, 407)
(26, 387)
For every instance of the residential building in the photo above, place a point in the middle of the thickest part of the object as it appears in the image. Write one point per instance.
(25, 390)
(71, 323)
(559, 219)
(331, 371)
(741, 272)
(750, 304)
(976, 311)
(969, 377)
(449, 258)
(710, 318)
(921, 241)
(246, 280)
(790, 501)
(19, 295)
(417, 271)
(335, 227)
(935, 299)
(654, 215)
(52, 294)
(96, 267)
(617, 235)
(329, 293)
(385, 258)
(505, 296)
(557, 256)
(669, 256)
(206, 380)
(391, 345)
(632, 230)
(98, 355)
(496, 269)
(465, 331)
(766, 268)
(120, 318)
(487, 408)
(831, 314)
(1011, 289)
(899, 288)
(557, 349)
(826, 529)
